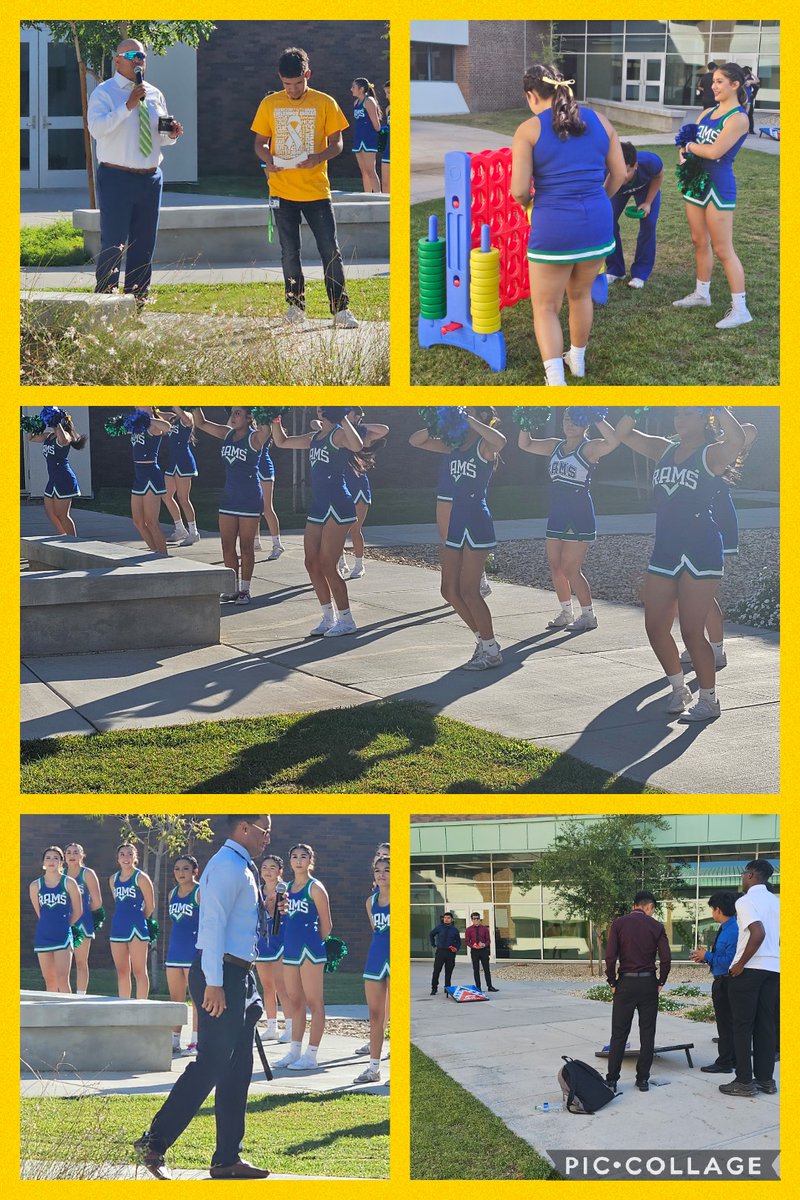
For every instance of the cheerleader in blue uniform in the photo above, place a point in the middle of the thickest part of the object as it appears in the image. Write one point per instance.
(92, 911)
(687, 560)
(184, 914)
(722, 131)
(242, 501)
(571, 526)
(385, 151)
(269, 952)
(356, 478)
(574, 159)
(266, 477)
(57, 904)
(134, 903)
(470, 532)
(148, 478)
(306, 924)
(61, 488)
(376, 968)
(330, 444)
(367, 117)
(179, 472)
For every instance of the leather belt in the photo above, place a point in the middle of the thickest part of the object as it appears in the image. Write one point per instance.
(626, 973)
(238, 962)
(131, 170)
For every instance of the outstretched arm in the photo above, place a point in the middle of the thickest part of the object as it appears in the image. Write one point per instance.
(726, 450)
(599, 447)
(422, 440)
(532, 445)
(212, 427)
(642, 443)
(346, 437)
(375, 433)
(299, 441)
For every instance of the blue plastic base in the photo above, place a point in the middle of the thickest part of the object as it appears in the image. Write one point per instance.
(600, 289)
(491, 347)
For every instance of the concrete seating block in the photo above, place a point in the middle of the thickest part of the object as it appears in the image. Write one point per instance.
(86, 309)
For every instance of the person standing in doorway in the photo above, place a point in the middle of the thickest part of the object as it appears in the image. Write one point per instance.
(479, 941)
(446, 941)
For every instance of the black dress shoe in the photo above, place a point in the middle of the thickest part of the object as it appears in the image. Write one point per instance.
(151, 1158)
(434, 991)
(735, 1088)
(643, 1085)
(612, 1083)
(716, 1069)
(238, 1170)
(767, 1085)
(493, 989)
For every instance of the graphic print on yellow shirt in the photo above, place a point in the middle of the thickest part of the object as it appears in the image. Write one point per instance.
(295, 129)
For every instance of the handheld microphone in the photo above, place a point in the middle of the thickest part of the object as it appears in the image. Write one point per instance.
(281, 889)
(138, 76)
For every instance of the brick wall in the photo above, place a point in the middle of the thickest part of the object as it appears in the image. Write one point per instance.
(343, 844)
(237, 66)
(489, 70)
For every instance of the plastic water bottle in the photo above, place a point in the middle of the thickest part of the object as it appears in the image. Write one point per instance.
(547, 1107)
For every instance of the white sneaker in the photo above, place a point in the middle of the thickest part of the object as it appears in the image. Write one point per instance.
(294, 315)
(483, 661)
(190, 539)
(270, 1035)
(288, 1060)
(306, 1062)
(285, 1037)
(320, 630)
(575, 372)
(680, 699)
(734, 317)
(635, 282)
(362, 1049)
(342, 569)
(257, 544)
(583, 623)
(560, 621)
(486, 587)
(344, 319)
(276, 552)
(686, 658)
(703, 710)
(228, 597)
(176, 537)
(613, 278)
(693, 300)
(242, 599)
(368, 1076)
(357, 572)
(342, 627)
(189, 1051)
(720, 660)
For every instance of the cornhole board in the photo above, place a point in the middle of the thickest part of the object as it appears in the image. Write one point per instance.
(685, 1046)
(462, 995)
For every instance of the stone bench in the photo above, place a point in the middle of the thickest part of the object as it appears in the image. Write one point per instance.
(86, 309)
(237, 233)
(64, 1032)
(97, 596)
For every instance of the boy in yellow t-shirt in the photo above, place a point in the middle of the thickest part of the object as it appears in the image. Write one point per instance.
(297, 131)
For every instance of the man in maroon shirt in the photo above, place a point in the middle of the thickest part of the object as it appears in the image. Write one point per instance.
(479, 942)
(635, 940)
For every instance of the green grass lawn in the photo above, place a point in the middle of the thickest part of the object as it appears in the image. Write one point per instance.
(508, 122)
(342, 987)
(251, 187)
(454, 1136)
(59, 244)
(390, 747)
(638, 338)
(320, 1133)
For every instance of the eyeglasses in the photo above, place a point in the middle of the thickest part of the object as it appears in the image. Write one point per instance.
(133, 55)
(266, 832)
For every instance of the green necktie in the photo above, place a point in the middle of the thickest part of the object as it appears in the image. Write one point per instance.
(145, 132)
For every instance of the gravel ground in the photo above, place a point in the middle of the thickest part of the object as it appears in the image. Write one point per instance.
(579, 972)
(615, 564)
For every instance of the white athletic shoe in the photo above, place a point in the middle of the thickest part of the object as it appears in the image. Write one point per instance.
(342, 569)
(320, 630)
(357, 572)
(344, 319)
(228, 597)
(276, 552)
(686, 658)
(483, 661)
(734, 317)
(680, 699)
(306, 1062)
(270, 1035)
(368, 1076)
(693, 300)
(635, 282)
(288, 1060)
(242, 599)
(285, 1037)
(703, 710)
(583, 623)
(342, 627)
(720, 660)
(486, 587)
(362, 1049)
(190, 539)
(189, 1051)
(294, 315)
(257, 544)
(176, 537)
(560, 621)
(613, 278)
(575, 372)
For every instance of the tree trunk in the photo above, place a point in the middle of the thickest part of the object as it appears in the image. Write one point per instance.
(87, 141)
(591, 948)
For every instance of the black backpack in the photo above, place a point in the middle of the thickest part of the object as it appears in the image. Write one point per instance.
(584, 1089)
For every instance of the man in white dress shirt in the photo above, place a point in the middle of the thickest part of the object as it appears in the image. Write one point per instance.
(123, 119)
(223, 988)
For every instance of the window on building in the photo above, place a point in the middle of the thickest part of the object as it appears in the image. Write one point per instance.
(432, 63)
(604, 76)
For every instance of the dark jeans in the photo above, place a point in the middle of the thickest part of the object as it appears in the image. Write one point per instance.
(322, 223)
(645, 257)
(754, 997)
(481, 958)
(446, 959)
(129, 210)
(224, 1061)
(634, 994)
(726, 1055)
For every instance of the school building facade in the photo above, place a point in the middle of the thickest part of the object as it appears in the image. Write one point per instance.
(478, 863)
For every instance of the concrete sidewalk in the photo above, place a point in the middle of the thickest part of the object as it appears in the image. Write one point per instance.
(67, 278)
(521, 1035)
(600, 696)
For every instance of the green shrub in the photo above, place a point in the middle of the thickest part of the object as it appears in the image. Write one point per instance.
(700, 1012)
(56, 245)
(762, 608)
(687, 989)
(601, 991)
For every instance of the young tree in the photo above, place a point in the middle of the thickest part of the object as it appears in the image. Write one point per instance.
(95, 42)
(594, 868)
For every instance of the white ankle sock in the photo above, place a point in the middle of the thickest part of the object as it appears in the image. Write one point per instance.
(193, 528)
(709, 694)
(676, 680)
(566, 606)
(344, 615)
(311, 1052)
(329, 612)
(578, 355)
(738, 301)
(702, 288)
(375, 1064)
(718, 647)
(554, 370)
(587, 610)
(489, 645)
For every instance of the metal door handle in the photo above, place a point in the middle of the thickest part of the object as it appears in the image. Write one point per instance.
(32, 122)
(45, 123)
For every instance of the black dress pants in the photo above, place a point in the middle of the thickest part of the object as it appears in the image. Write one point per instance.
(447, 959)
(480, 958)
(224, 1061)
(726, 1055)
(754, 998)
(634, 994)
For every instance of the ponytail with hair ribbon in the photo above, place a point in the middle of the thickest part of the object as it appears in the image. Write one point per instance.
(556, 83)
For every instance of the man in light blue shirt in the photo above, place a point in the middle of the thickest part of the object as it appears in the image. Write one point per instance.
(719, 959)
(223, 988)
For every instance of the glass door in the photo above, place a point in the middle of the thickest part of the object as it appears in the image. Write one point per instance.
(643, 78)
(29, 109)
(487, 918)
(62, 159)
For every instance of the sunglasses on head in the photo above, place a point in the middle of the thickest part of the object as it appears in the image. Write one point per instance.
(133, 55)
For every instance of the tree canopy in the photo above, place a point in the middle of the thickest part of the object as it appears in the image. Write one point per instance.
(99, 39)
